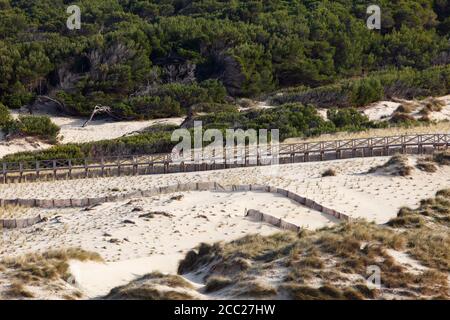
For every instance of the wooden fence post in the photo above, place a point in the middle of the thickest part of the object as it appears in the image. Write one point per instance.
(37, 169)
(85, 168)
(5, 180)
(135, 166)
(70, 168)
(54, 169)
(102, 161)
(20, 171)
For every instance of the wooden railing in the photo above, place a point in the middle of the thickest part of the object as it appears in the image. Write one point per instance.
(227, 158)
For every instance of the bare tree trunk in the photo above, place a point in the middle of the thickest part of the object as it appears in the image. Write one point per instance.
(97, 109)
(59, 103)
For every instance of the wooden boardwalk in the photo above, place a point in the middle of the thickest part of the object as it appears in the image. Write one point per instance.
(13, 172)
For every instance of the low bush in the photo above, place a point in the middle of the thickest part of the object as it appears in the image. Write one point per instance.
(406, 83)
(292, 120)
(5, 116)
(329, 173)
(156, 140)
(36, 126)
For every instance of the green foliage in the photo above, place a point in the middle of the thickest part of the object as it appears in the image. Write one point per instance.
(37, 126)
(5, 116)
(293, 120)
(406, 83)
(173, 54)
(155, 140)
(349, 119)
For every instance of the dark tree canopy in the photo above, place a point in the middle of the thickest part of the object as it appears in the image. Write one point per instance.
(157, 58)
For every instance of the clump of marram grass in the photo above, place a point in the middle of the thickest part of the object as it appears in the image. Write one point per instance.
(397, 165)
(433, 105)
(435, 211)
(216, 283)
(254, 289)
(154, 286)
(399, 117)
(442, 158)
(329, 173)
(52, 264)
(407, 107)
(17, 289)
(426, 166)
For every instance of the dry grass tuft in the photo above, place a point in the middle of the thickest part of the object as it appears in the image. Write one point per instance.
(399, 117)
(442, 158)
(17, 290)
(407, 107)
(328, 292)
(433, 104)
(254, 289)
(48, 265)
(337, 258)
(426, 166)
(216, 283)
(329, 173)
(398, 165)
(154, 286)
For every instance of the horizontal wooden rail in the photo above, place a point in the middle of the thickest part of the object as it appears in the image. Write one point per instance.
(54, 169)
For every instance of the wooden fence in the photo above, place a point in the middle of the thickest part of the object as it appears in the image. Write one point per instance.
(210, 159)
(183, 187)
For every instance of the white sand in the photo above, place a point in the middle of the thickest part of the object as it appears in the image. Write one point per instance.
(159, 242)
(383, 110)
(373, 197)
(154, 244)
(73, 132)
(20, 145)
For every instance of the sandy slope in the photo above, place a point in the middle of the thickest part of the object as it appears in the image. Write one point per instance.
(20, 145)
(375, 197)
(384, 109)
(134, 245)
(72, 132)
(157, 243)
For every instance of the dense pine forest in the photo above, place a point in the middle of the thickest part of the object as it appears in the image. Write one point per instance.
(149, 59)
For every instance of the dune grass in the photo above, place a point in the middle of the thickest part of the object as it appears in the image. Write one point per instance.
(41, 269)
(216, 283)
(397, 165)
(329, 173)
(331, 263)
(154, 286)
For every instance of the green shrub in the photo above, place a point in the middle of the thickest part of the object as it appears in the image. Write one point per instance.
(39, 126)
(156, 140)
(348, 117)
(5, 116)
(406, 83)
(292, 120)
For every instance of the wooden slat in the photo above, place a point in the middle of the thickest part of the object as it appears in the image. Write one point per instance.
(247, 155)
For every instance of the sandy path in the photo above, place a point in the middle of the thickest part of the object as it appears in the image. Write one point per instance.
(134, 246)
(138, 246)
(72, 131)
(374, 197)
